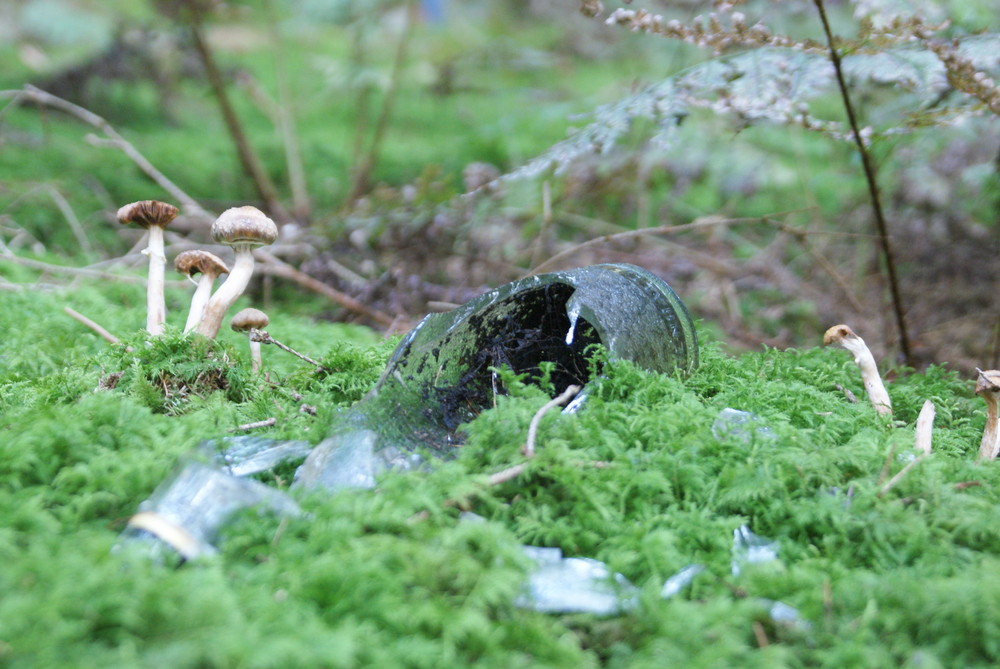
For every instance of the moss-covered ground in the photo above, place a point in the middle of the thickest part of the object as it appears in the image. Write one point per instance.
(392, 577)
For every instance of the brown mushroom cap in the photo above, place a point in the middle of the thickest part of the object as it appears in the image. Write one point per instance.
(249, 319)
(200, 262)
(146, 213)
(244, 225)
(988, 382)
(837, 334)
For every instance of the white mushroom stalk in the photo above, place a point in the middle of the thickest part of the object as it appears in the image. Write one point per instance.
(244, 229)
(988, 387)
(154, 216)
(844, 337)
(209, 266)
(250, 321)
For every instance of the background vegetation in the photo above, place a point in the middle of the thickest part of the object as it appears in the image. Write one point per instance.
(375, 211)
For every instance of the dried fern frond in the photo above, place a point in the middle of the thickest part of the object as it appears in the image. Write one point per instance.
(777, 84)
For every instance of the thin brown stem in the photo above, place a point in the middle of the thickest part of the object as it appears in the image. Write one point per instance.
(529, 446)
(31, 94)
(629, 234)
(362, 175)
(508, 474)
(272, 265)
(80, 271)
(359, 58)
(286, 122)
(263, 337)
(873, 193)
(76, 315)
(267, 422)
(248, 157)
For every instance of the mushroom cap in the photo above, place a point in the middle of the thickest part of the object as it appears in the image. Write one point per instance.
(249, 319)
(989, 381)
(147, 213)
(837, 334)
(200, 262)
(244, 225)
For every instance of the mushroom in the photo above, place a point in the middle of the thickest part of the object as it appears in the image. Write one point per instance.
(210, 266)
(154, 216)
(244, 229)
(843, 336)
(988, 387)
(247, 321)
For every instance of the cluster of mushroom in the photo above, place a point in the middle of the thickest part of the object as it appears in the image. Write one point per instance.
(241, 228)
(987, 386)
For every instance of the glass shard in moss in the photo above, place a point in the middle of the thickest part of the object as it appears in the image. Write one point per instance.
(443, 372)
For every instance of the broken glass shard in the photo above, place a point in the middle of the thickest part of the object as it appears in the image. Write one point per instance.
(680, 580)
(741, 426)
(189, 508)
(748, 548)
(442, 374)
(574, 585)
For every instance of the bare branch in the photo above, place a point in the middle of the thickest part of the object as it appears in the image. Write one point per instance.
(274, 266)
(873, 193)
(33, 94)
(92, 325)
(267, 422)
(529, 446)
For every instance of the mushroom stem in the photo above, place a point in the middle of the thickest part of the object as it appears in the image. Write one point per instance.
(248, 321)
(243, 229)
(153, 216)
(843, 336)
(198, 301)
(209, 266)
(988, 387)
(227, 293)
(156, 308)
(255, 361)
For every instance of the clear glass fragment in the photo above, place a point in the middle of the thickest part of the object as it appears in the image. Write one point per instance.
(748, 548)
(574, 585)
(680, 580)
(741, 426)
(246, 455)
(189, 508)
(786, 616)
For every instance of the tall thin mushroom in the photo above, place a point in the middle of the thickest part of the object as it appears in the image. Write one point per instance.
(988, 387)
(154, 216)
(209, 266)
(244, 229)
(844, 337)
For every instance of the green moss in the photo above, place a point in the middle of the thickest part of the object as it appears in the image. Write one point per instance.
(635, 478)
(391, 576)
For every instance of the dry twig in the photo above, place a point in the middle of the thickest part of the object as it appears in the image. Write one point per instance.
(876, 200)
(248, 157)
(91, 324)
(32, 94)
(80, 271)
(267, 422)
(362, 172)
(529, 446)
(276, 267)
(704, 222)
(262, 336)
